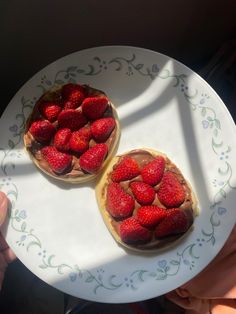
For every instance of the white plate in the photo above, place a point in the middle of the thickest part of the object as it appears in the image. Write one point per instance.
(56, 229)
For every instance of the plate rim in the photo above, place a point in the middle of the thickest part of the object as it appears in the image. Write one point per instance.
(123, 47)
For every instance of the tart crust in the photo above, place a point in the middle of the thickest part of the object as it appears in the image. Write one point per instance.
(189, 205)
(33, 148)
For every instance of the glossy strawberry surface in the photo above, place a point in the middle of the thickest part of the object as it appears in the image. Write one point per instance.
(171, 192)
(132, 232)
(92, 159)
(42, 130)
(126, 169)
(50, 110)
(120, 204)
(155, 210)
(102, 128)
(62, 139)
(73, 119)
(58, 161)
(94, 107)
(175, 222)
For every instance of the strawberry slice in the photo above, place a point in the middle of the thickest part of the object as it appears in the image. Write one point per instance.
(132, 232)
(102, 128)
(73, 94)
(171, 193)
(71, 119)
(176, 222)
(42, 130)
(62, 139)
(59, 162)
(143, 192)
(91, 161)
(77, 143)
(50, 110)
(94, 107)
(150, 216)
(126, 169)
(152, 173)
(119, 203)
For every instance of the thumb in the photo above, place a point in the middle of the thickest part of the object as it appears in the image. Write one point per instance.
(3, 207)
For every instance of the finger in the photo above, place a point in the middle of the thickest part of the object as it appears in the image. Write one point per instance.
(6, 251)
(3, 263)
(3, 207)
(3, 243)
(9, 255)
(3, 267)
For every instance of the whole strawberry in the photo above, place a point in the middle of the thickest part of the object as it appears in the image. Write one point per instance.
(150, 216)
(132, 232)
(50, 110)
(77, 143)
(102, 128)
(126, 169)
(119, 203)
(152, 173)
(85, 133)
(175, 222)
(42, 131)
(94, 107)
(73, 94)
(171, 192)
(62, 139)
(71, 119)
(143, 192)
(59, 162)
(92, 160)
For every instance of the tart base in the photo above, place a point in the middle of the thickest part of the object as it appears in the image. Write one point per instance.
(36, 158)
(155, 245)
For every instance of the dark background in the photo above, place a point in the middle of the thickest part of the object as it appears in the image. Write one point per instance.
(35, 33)
(200, 34)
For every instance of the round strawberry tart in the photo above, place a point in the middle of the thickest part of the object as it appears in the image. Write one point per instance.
(145, 200)
(72, 132)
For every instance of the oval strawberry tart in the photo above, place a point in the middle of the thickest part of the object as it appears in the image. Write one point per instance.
(72, 132)
(145, 200)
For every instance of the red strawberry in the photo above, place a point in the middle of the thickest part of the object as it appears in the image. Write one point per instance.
(152, 173)
(72, 119)
(77, 143)
(126, 169)
(42, 130)
(62, 139)
(85, 133)
(119, 203)
(171, 193)
(59, 162)
(50, 110)
(94, 107)
(132, 232)
(149, 216)
(102, 128)
(91, 161)
(143, 192)
(175, 222)
(73, 94)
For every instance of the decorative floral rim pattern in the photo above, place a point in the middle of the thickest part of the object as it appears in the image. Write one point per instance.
(188, 257)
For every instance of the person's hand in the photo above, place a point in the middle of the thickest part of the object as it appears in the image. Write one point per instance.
(6, 254)
(213, 290)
